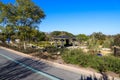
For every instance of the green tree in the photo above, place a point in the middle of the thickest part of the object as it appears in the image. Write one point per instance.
(99, 36)
(82, 38)
(24, 15)
(93, 44)
(9, 31)
(41, 36)
(117, 40)
(1, 9)
(108, 42)
(2, 31)
(55, 33)
(61, 33)
(6, 32)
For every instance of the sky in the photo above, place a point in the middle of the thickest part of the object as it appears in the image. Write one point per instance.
(80, 16)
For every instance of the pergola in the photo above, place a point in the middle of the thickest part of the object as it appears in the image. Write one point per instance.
(64, 39)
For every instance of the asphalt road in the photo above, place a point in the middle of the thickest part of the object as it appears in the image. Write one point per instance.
(16, 67)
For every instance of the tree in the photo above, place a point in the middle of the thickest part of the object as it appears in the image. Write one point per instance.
(23, 13)
(117, 40)
(82, 37)
(41, 36)
(99, 36)
(24, 16)
(93, 44)
(108, 42)
(1, 5)
(61, 33)
(2, 31)
(9, 31)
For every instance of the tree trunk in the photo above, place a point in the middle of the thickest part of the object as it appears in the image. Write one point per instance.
(24, 45)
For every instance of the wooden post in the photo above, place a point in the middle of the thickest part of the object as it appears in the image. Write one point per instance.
(62, 43)
(56, 43)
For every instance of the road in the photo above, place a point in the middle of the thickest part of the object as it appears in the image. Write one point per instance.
(16, 67)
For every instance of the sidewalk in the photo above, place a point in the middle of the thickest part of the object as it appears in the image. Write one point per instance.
(62, 66)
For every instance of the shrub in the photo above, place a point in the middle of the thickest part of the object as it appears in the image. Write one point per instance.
(117, 40)
(54, 50)
(21, 49)
(100, 63)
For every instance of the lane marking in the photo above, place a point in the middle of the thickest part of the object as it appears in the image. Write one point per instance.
(30, 68)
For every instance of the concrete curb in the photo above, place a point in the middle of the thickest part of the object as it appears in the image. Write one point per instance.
(61, 66)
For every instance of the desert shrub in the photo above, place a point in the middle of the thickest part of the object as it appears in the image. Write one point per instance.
(100, 63)
(117, 40)
(42, 43)
(21, 49)
(54, 50)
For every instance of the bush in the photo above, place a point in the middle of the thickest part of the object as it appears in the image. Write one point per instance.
(42, 43)
(117, 40)
(21, 49)
(54, 50)
(102, 64)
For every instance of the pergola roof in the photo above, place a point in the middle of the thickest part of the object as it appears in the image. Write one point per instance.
(63, 37)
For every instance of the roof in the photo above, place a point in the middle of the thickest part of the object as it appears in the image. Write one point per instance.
(63, 37)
